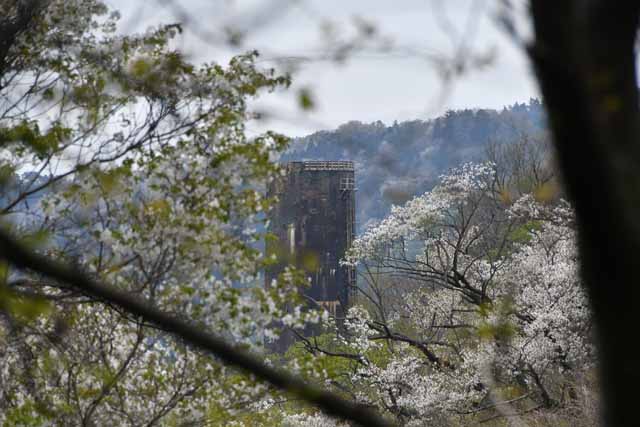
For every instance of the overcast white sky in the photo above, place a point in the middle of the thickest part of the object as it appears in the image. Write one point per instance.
(398, 85)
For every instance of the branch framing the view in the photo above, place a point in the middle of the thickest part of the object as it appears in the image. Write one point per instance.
(584, 56)
(21, 257)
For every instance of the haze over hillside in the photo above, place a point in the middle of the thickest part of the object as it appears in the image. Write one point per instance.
(394, 163)
(397, 162)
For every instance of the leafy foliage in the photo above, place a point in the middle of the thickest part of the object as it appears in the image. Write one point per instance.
(135, 166)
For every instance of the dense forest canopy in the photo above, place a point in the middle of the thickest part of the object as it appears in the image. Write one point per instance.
(397, 162)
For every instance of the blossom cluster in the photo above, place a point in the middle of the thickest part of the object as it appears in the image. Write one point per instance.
(477, 302)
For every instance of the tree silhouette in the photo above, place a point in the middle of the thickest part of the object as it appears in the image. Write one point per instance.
(584, 57)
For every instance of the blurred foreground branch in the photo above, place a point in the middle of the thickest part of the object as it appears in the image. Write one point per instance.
(584, 56)
(23, 258)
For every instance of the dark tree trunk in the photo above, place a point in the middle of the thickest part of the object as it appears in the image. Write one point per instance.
(12, 26)
(584, 58)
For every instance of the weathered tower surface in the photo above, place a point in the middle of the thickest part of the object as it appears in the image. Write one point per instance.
(314, 225)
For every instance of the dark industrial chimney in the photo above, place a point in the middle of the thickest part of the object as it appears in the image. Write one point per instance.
(314, 224)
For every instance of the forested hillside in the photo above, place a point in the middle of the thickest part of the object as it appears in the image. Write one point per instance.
(397, 162)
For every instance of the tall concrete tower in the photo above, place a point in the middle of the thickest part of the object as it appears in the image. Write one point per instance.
(314, 223)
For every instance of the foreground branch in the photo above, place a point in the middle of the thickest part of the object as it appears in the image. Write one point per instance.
(584, 55)
(23, 258)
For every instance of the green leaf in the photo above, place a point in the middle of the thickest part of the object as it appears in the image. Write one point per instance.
(305, 99)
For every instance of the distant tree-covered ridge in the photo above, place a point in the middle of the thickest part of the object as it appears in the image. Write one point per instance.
(397, 162)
